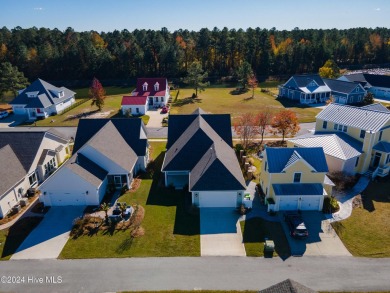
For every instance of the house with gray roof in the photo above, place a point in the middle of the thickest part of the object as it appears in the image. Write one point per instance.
(355, 139)
(27, 159)
(295, 178)
(345, 92)
(200, 159)
(378, 85)
(41, 100)
(106, 152)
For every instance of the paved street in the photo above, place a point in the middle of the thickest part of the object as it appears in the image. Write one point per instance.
(223, 273)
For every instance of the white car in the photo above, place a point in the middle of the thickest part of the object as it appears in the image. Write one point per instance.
(3, 114)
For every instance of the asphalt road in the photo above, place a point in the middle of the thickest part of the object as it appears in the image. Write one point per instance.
(221, 273)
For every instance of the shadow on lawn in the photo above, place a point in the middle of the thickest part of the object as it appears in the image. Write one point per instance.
(287, 103)
(186, 101)
(81, 115)
(377, 191)
(18, 233)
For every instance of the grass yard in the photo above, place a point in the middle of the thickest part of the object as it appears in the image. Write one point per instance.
(11, 238)
(169, 229)
(222, 100)
(367, 232)
(255, 230)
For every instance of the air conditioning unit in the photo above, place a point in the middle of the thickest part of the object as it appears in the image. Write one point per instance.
(23, 202)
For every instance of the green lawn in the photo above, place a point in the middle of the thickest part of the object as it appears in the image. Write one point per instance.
(222, 100)
(367, 231)
(10, 239)
(254, 232)
(169, 229)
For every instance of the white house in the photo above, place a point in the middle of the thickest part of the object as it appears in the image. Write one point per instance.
(27, 159)
(106, 151)
(134, 105)
(41, 99)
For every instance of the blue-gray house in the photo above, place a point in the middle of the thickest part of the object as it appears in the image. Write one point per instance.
(345, 92)
(378, 85)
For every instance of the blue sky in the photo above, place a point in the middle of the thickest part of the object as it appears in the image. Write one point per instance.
(108, 15)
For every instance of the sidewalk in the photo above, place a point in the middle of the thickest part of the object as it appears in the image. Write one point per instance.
(345, 200)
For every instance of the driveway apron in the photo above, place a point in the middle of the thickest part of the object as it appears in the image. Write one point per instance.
(220, 232)
(48, 239)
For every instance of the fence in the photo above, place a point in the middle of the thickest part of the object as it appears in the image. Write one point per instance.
(82, 101)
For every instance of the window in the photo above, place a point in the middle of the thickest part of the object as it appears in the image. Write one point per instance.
(297, 177)
(362, 133)
(156, 99)
(388, 159)
(324, 124)
(357, 162)
(380, 136)
(137, 110)
(145, 86)
(162, 99)
(156, 86)
(265, 166)
(335, 126)
(345, 128)
(49, 166)
(32, 179)
(340, 127)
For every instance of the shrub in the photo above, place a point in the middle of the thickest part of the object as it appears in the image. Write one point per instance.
(342, 180)
(330, 205)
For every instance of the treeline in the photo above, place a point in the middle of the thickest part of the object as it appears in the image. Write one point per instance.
(69, 55)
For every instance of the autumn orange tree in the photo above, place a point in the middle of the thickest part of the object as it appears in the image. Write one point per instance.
(252, 83)
(97, 94)
(245, 127)
(285, 122)
(263, 122)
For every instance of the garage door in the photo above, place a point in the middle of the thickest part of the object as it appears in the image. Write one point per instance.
(213, 199)
(179, 181)
(310, 203)
(288, 203)
(67, 199)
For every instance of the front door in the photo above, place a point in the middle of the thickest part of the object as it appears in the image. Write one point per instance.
(377, 159)
(117, 181)
(151, 101)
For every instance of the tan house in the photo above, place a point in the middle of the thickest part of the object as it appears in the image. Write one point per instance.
(295, 178)
(355, 139)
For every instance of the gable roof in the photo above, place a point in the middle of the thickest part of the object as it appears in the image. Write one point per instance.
(211, 161)
(109, 142)
(341, 86)
(86, 169)
(382, 146)
(376, 107)
(220, 123)
(47, 95)
(339, 145)
(362, 118)
(25, 145)
(280, 158)
(9, 176)
(129, 100)
(302, 82)
(369, 80)
(132, 130)
(288, 286)
(150, 91)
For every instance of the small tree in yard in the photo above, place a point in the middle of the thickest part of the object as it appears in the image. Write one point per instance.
(105, 207)
(285, 122)
(252, 82)
(245, 127)
(263, 121)
(11, 79)
(368, 99)
(244, 71)
(195, 77)
(97, 94)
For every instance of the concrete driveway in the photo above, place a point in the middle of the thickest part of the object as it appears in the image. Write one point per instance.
(155, 118)
(12, 120)
(220, 233)
(322, 240)
(48, 239)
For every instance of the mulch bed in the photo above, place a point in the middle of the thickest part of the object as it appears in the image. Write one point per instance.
(135, 185)
(357, 202)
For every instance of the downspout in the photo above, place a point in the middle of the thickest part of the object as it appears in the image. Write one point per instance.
(369, 149)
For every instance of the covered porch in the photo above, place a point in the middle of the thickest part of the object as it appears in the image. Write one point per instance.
(314, 98)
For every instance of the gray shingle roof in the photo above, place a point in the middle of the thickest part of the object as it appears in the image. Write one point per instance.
(341, 86)
(130, 129)
(109, 142)
(305, 79)
(337, 145)
(47, 95)
(375, 80)
(280, 158)
(45, 152)
(376, 107)
(199, 111)
(86, 169)
(288, 286)
(11, 170)
(382, 146)
(298, 189)
(366, 119)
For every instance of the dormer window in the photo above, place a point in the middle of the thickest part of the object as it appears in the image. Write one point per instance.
(32, 94)
(61, 94)
(145, 87)
(156, 86)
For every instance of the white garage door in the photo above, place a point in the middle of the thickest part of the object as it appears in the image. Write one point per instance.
(212, 199)
(288, 203)
(67, 199)
(310, 203)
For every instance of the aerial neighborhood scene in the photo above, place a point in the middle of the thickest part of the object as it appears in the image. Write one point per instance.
(227, 146)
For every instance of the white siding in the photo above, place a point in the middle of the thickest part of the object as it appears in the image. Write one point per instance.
(62, 106)
(12, 197)
(141, 108)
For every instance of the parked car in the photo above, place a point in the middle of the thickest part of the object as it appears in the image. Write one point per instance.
(296, 225)
(164, 110)
(3, 114)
